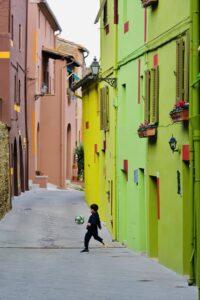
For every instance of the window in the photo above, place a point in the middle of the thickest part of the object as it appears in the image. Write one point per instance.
(19, 91)
(180, 49)
(20, 37)
(151, 114)
(105, 14)
(45, 71)
(12, 28)
(39, 16)
(15, 89)
(116, 16)
(104, 108)
(182, 69)
(155, 95)
(147, 96)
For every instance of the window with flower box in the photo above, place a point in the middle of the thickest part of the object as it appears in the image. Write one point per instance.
(151, 103)
(180, 111)
(182, 69)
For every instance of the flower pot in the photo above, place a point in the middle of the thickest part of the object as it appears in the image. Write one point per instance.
(147, 132)
(181, 115)
(146, 3)
(150, 131)
(141, 133)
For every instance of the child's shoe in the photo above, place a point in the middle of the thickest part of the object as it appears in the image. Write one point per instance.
(84, 250)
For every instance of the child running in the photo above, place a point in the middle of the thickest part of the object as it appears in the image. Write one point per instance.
(92, 227)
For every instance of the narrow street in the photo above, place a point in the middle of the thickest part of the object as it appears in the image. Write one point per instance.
(40, 257)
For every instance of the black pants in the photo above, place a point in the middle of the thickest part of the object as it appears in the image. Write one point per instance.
(88, 236)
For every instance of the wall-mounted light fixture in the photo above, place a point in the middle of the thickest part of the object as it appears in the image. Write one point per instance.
(44, 89)
(172, 144)
(95, 72)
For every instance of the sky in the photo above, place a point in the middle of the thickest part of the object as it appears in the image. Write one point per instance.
(76, 17)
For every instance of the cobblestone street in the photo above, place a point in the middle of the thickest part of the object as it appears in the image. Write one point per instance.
(40, 257)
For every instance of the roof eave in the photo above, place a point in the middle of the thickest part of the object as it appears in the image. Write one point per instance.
(47, 11)
(84, 82)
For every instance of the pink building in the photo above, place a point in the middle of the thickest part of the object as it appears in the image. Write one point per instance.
(52, 110)
(13, 100)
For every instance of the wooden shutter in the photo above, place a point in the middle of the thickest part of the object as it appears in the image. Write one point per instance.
(107, 124)
(147, 96)
(116, 17)
(101, 109)
(104, 108)
(180, 53)
(155, 95)
(187, 67)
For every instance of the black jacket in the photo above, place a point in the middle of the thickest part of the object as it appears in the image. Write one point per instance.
(95, 222)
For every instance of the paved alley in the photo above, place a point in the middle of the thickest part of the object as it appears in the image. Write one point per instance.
(40, 257)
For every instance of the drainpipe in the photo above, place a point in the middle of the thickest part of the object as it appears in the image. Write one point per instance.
(115, 73)
(195, 145)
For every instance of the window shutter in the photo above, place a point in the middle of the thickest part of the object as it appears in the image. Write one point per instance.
(147, 96)
(155, 94)
(187, 67)
(180, 51)
(101, 109)
(107, 127)
(116, 17)
(104, 108)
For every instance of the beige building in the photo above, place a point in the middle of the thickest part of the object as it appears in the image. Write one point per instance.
(53, 113)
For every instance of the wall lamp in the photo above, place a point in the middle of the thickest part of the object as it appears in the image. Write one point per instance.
(95, 72)
(172, 144)
(44, 89)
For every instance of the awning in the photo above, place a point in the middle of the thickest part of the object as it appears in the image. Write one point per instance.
(54, 54)
(100, 11)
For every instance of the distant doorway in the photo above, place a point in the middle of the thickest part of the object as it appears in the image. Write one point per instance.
(69, 155)
(154, 215)
(38, 147)
(15, 169)
(142, 212)
(21, 166)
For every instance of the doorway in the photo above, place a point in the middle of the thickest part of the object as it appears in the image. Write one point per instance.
(21, 166)
(69, 155)
(142, 212)
(154, 215)
(15, 170)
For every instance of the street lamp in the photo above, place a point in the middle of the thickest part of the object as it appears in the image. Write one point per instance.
(173, 143)
(95, 72)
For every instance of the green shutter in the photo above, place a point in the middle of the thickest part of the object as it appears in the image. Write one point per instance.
(107, 108)
(155, 95)
(104, 108)
(147, 96)
(101, 109)
(187, 67)
(180, 54)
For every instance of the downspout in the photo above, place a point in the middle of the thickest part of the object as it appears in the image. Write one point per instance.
(115, 73)
(194, 135)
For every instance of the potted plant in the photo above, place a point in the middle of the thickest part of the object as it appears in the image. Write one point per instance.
(180, 112)
(147, 129)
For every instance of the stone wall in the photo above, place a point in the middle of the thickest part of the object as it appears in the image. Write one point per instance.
(4, 171)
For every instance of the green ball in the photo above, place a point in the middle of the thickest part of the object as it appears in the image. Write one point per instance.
(79, 220)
